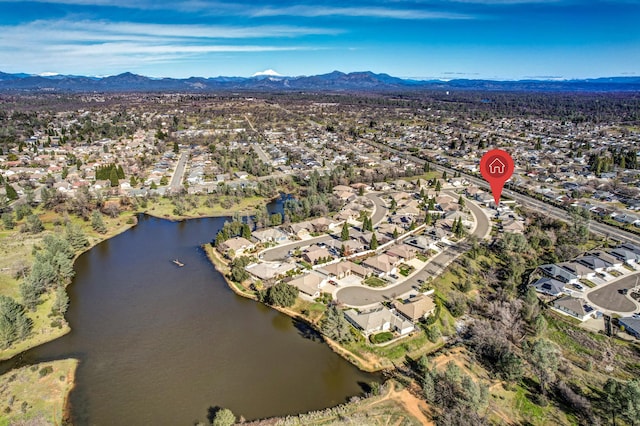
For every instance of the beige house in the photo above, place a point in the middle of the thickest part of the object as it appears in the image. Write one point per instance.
(416, 309)
(343, 269)
(315, 253)
(310, 284)
(238, 244)
(382, 264)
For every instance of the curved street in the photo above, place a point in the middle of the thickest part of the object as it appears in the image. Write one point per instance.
(608, 297)
(360, 296)
(280, 252)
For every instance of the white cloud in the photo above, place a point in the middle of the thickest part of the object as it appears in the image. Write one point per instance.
(98, 46)
(372, 12)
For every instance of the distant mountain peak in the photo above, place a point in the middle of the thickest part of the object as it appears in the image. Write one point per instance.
(270, 80)
(267, 73)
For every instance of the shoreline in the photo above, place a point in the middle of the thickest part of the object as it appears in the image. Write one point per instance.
(222, 267)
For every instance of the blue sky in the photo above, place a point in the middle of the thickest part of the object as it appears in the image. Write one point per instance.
(495, 39)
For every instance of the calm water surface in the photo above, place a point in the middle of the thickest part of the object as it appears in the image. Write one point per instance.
(160, 344)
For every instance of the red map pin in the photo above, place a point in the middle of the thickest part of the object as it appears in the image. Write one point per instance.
(496, 167)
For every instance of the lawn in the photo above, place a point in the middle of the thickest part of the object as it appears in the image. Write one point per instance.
(375, 282)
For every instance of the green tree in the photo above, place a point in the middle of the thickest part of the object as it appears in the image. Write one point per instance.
(30, 294)
(76, 237)
(34, 224)
(223, 417)
(335, 325)
(164, 181)
(14, 324)
(113, 178)
(7, 221)
(11, 192)
(275, 219)
(176, 148)
(344, 235)
(246, 231)
(61, 303)
(22, 211)
(281, 294)
(373, 244)
(97, 222)
(438, 186)
(544, 360)
(461, 201)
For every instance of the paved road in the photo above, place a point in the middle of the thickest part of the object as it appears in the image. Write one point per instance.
(358, 296)
(280, 252)
(608, 298)
(178, 174)
(263, 156)
(381, 208)
(596, 227)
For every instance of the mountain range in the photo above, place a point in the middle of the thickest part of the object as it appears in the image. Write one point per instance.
(334, 81)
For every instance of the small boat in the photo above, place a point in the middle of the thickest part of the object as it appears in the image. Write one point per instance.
(177, 262)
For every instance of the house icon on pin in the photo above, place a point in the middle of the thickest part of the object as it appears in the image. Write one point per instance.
(497, 167)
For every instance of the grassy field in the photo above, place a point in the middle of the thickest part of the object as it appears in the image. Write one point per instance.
(164, 207)
(36, 394)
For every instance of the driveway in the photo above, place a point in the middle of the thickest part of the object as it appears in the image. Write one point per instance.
(608, 298)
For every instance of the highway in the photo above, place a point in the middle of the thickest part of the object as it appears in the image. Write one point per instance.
(360, 296)
(524, 200)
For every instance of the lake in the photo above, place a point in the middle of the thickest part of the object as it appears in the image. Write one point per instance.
(160, 344)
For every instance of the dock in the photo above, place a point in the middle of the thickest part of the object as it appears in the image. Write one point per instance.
(177, 262)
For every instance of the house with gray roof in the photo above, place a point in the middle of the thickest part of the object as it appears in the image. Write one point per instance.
(631, 325)
(560, 274)
(607, 257)
(625, 255)
(595, 263)
(575, 307)
(550, 286)
(578, 269)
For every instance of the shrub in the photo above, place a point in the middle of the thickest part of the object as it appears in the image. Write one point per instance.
(45, 371)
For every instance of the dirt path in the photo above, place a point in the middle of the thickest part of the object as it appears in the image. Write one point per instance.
(414, 406)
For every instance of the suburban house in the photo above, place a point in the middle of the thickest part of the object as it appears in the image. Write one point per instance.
(300, 230)
(560, 274)
(578, 269)
(631, 326)
(624, 255)
(378, 319)
(607, 257)
(238, 244)
(315, 254)
(575, 307)
(549, 286)
(595, 263)
(310, 284)
(416, 309)
(269, 270)
(343, 269)
(403, 252)
(382, 264)
(322, 224)
(275, 235)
